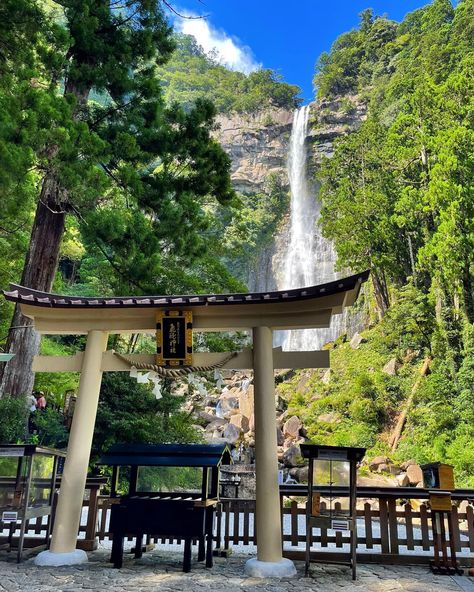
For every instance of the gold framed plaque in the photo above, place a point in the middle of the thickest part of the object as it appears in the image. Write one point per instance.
(440, 502)
(174, 338)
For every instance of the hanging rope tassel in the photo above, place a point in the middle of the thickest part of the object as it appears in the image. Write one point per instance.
(175, 372)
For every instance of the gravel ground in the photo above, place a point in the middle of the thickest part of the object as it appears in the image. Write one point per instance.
(160, 570)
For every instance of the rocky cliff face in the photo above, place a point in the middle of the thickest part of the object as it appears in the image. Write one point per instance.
(332, 119)
(258, 146)
(258, 143)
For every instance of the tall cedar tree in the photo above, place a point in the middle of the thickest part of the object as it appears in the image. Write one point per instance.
(125, 151)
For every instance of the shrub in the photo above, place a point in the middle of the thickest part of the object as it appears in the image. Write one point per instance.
(14, 414)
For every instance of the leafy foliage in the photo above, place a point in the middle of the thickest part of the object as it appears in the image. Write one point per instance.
(190, 75)
(249, 226)
(49, 428)
(398, 199)
(129, 412)
(14, 413)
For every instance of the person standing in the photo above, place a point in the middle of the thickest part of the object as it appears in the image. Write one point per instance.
(31, 406)
(40, 401)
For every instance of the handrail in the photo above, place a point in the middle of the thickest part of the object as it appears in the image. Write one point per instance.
(369, 492)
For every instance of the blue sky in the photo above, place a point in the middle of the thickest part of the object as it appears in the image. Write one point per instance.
(284, 35)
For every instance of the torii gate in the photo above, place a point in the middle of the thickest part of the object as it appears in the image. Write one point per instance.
(310, 307)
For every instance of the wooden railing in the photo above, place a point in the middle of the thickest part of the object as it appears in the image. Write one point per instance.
(394, 524)
(391, 521)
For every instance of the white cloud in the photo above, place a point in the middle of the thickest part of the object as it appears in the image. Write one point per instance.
(228, 50)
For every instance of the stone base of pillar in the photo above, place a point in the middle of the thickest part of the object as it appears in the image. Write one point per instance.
(284, 568)
(48, 558)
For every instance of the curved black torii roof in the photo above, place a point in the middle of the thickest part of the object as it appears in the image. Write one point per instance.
(310, 307)
(24, 295)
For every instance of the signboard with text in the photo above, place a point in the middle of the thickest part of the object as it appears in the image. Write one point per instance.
(174, 338)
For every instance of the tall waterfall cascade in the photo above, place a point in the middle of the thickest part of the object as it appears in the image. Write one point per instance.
(303, 256)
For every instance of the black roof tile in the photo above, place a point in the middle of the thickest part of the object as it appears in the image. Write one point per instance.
(36, 298)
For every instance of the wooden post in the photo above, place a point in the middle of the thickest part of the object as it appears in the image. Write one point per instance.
(90, 544)
(68, 514)
(269, 560)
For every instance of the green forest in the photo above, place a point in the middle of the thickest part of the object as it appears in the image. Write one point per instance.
(112, 182)
(398, 199)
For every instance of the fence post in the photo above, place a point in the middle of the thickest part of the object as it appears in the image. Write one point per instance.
(90, 543)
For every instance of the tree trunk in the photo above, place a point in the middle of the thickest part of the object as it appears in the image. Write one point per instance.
(397, 433)
(468, 293)
(16, 377)
(451, 324)
(380, 291)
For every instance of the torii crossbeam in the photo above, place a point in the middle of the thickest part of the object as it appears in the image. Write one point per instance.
(304, 308)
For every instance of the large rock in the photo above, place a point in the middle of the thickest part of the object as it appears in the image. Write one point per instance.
(394, 469)
(300, 474)
(231, 433)
(282, 418)
(391, 367)
(252, 423)
(280, 453)
(216, 424)
(329, 417)
(404, 466)
(402, 480)
(356, 340)
(414, 474)
(206, 417)
(292, 426)
(326, 377)
(280, 403)
(292, 456)
(280, 437)
(228, 405)
(377, 481)
(378, 460)
(257, 145)
(246, 402)
(301, 386)
(240, 421)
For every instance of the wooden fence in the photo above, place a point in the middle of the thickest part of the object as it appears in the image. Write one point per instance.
(394, 524)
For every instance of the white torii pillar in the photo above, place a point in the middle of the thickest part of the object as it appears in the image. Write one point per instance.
(68, 513)
(269, 561)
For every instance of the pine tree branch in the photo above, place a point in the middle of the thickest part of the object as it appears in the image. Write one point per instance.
(183, 16)
(117, 268)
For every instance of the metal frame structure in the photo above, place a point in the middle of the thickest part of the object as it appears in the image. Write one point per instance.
(315, 515)
(16, 511)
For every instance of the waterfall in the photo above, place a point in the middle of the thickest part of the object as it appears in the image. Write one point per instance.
(304, 257)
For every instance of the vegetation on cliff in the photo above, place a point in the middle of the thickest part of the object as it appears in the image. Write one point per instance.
(398, 198)
(191, 74)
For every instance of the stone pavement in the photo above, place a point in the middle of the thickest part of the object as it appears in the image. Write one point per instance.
(161, 571)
